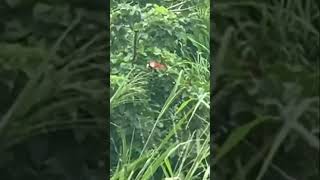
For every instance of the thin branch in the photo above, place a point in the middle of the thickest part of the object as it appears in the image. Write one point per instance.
(135, 44)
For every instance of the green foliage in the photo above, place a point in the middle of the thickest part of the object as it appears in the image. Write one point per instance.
(162, 112)
(52, 105)
(266, 66)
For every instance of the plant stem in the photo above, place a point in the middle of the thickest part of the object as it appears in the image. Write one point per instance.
(135, 42)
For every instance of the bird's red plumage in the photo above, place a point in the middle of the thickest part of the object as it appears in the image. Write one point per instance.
(156, 65)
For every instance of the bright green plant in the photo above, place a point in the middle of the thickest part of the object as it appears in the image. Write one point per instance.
(162, 114)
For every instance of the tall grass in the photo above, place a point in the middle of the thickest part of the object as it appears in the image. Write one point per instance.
(264, 60)
(182, 149)
(27, 116)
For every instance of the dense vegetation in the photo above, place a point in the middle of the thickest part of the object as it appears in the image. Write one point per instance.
(160, 119)
(266, 71)
(264, 98)
(52, 90)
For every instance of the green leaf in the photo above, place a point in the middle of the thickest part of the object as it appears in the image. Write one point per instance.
(236, 137)
(161, 10)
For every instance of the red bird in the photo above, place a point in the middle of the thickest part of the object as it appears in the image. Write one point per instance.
(156, 65)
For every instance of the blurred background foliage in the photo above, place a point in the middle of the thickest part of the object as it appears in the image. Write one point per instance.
(53, 89)
(266, 73)
(265, 98)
